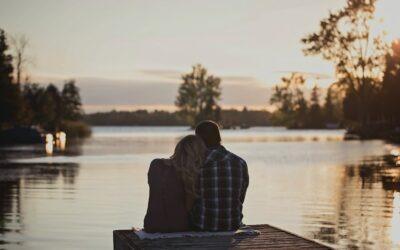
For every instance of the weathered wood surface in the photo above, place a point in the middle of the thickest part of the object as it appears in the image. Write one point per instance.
(270, 238)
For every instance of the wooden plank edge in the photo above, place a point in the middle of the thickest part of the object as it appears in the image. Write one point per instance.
(294, 234)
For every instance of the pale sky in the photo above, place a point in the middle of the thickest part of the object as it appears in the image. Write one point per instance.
(130, 54)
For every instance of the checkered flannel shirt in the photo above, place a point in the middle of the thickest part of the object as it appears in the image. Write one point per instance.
(223, 181)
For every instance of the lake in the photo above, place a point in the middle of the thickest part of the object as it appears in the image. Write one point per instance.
(310, 182)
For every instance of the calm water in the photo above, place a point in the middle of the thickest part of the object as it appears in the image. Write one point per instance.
(343, 193)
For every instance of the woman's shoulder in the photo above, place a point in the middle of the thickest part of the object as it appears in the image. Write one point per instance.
(159, 162)
(159, 165)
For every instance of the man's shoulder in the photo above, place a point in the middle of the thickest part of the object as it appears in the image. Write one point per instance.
(221, 154)
(235, 158)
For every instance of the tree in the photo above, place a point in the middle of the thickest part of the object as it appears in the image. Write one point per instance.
(329, 107)
(390, 95)
(51, 105)
(198, 96)
(345, 38)
(315, 116)
(10, 99)
(71, 102)
(19, 46)
(289, 99)
(32, 94)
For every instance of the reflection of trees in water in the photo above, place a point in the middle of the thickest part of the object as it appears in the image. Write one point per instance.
(9, 209)
(73, 148)
(363, 206)
(16, 176)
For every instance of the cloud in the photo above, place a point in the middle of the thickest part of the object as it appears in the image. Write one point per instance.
(164, 74)
(176, 75)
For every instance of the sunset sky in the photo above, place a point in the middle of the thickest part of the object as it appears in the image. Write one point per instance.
(130, 54)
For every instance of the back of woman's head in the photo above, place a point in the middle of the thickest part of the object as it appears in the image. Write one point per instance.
(187, 159)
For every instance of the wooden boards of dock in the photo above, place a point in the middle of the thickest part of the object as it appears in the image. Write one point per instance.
(269, 238)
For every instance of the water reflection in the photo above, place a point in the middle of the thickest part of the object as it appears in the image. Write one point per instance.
(367, 208)
(339, 192)
(15, 182)
(10, 219)
(49, 144)
(59, 142)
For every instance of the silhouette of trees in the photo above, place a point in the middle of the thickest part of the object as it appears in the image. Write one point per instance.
(198, 96)
(71, 101)
(345, 38)
(233, 118)
(35, 109)
(295, 111)
(332, 108)
(367, 69)
(50, 108)
(230, 118)
(291, 104)
(53, 102)
(32, 104)
(10, 100)
(390, 94)
(316, 117)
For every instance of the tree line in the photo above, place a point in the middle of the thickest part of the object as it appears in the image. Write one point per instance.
(230, 118)
(32, 105)
(295, 110)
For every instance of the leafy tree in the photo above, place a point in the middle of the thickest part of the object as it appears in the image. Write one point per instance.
(390, 95)
(71, 102)
(198, 96)
(51, 101)
(329, 107)
(345, 38)
(10, 99)
(316, 119)
(32, 94)
(289, 99)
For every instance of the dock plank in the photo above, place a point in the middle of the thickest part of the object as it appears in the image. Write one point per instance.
(270, 238)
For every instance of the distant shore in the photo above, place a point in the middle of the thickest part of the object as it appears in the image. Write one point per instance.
(230, 118)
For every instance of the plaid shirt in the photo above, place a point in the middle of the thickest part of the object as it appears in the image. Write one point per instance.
(223, 181)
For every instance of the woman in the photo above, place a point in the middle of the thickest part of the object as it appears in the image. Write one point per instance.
(172, 186)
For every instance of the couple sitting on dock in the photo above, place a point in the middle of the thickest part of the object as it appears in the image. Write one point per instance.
(201, 187)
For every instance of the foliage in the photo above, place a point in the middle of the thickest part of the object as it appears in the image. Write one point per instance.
(71, 101)
(10, 100)
(135, 118)
(316, 116)
(295, 111)
(390, 94)
(198, 95)
(345, 38)
(32, 104)
(49, 108)
(229, 118)
(289, 99)
(333, 108)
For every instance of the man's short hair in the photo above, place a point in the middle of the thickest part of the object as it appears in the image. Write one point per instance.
(209, 132)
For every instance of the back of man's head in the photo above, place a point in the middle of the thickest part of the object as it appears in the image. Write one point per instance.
(209, 132)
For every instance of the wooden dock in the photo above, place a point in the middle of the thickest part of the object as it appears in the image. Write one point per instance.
(269, 238)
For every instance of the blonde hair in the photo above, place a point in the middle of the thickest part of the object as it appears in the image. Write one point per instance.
(187, 159)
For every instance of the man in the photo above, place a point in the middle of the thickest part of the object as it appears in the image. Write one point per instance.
(223, 181)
